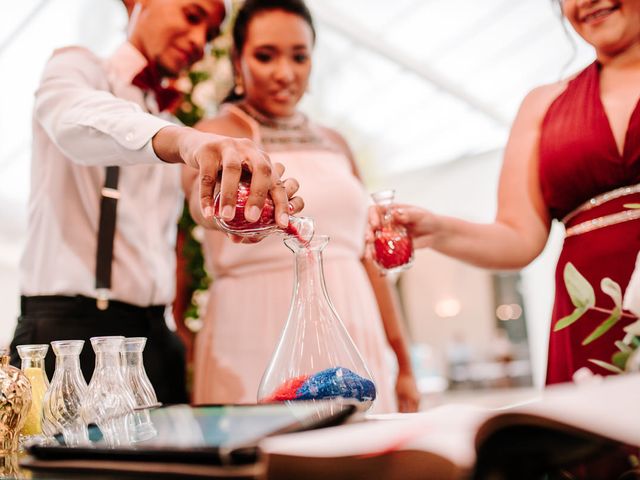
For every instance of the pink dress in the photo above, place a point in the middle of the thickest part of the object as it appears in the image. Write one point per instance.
(250, 295)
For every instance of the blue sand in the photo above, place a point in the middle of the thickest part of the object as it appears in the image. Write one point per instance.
(337, 382)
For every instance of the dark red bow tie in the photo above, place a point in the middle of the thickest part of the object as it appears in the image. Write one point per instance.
(150, 80)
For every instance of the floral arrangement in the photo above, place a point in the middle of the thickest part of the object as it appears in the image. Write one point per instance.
(582, 295)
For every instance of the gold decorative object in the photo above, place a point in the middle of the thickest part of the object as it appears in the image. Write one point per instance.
(9, 467)
(15, 400)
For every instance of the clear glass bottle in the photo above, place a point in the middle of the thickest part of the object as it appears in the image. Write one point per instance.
(302, 227)
(393, 247)
(109, 402)
(143, 392)
(315, 358)
(61, 412)
(32, 365)
(135, 375)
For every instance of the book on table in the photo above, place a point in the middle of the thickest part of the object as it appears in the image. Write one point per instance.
(592, 428)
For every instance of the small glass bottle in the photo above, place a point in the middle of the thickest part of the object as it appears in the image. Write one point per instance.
(109, 402)
(61, 412)
(392, 244)
(135, 375)
(301, 227)
(140, 386)
(32, 365)
(315, 358)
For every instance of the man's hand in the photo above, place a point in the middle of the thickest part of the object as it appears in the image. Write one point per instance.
(215, 157)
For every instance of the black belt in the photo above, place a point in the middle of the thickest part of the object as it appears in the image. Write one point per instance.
(44, 303)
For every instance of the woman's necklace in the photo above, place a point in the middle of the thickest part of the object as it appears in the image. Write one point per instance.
(297, 121)
(285, 133)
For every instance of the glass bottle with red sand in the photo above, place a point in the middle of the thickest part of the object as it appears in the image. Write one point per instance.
(302, 227)
(315, 358)
(392, 244)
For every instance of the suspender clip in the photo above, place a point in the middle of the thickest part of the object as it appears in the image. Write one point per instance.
(102, 298)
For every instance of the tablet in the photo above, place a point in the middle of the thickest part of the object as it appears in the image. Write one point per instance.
(212, 435)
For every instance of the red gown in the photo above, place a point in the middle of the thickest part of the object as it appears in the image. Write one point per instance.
(579, 160)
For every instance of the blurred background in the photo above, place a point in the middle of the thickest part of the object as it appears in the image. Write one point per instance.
(425, 92)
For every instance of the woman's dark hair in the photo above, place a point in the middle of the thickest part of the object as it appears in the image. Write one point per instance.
(250, 9)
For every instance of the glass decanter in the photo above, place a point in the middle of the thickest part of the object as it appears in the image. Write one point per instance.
(32, 365)
(301, 227)
(135, 375)
(315, 358)
(109, 402)
(393, 247)
(61, 410)
(143, 392)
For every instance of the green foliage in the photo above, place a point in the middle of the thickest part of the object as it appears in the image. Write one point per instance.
(604, 327)
(583, 298)
(581, 294)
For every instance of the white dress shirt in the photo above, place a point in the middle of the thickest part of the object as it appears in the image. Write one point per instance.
(88, 116)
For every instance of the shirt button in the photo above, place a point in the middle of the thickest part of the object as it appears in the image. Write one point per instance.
(129, 137)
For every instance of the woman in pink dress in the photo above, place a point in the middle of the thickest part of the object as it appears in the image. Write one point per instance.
(251, 292)
(573, 155)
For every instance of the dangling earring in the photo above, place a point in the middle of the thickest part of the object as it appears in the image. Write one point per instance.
(238, 89)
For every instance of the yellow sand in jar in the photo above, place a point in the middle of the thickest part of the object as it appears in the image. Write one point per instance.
(33, 425)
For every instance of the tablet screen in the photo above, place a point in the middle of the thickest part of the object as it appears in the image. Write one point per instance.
(217, 434)
(229, 426)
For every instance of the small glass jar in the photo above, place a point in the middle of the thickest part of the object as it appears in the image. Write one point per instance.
(32, 365)
(301, 227)
(393, 247)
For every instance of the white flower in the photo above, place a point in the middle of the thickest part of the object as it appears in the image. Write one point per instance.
(584, 375)
(193, 324)
(206, 64)
(632, 294)
(223, 42)
(204, 94)
(198, 233)
(183, 83)
(633, 329)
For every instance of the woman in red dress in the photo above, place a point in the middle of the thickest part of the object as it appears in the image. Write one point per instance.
(573, 155)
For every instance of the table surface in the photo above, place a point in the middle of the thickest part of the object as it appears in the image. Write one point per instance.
(487, 398)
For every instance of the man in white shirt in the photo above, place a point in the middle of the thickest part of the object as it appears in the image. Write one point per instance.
(88, 116)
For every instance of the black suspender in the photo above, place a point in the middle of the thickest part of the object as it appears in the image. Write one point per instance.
(106, 232)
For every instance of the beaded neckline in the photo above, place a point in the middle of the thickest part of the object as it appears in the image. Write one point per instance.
(297, 121)
(292, 133)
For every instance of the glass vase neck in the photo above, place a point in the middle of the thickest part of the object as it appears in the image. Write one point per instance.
(309, 276)
(67, 354)
(132, 351)
(384, 197)
(107, 350)
(303, 247)
(32, 356)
